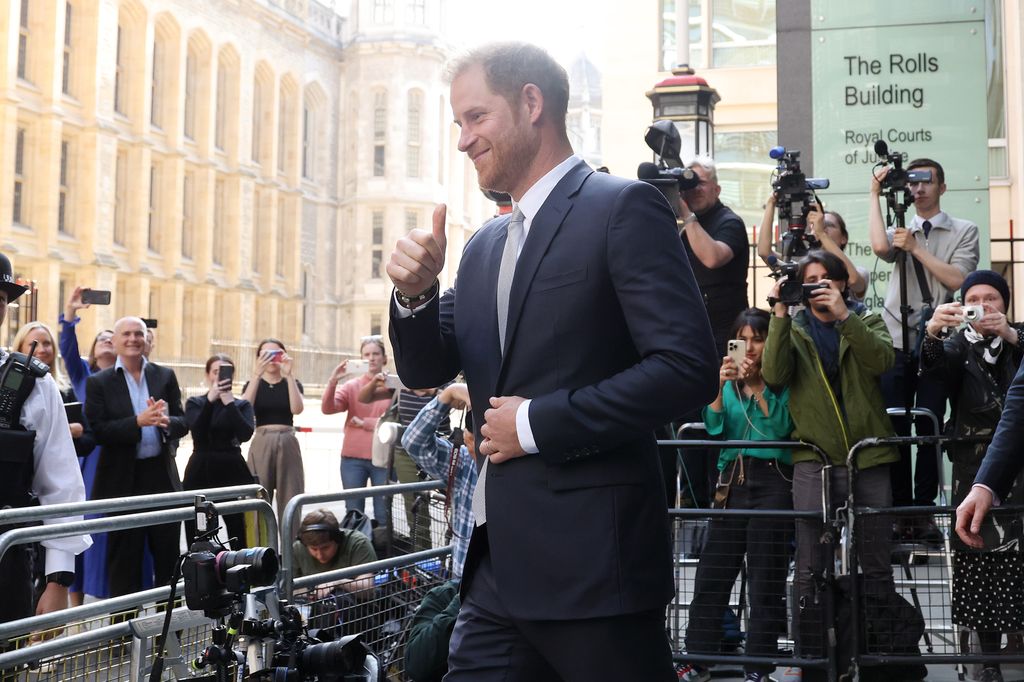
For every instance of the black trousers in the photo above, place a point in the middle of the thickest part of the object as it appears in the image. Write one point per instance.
(488, 645)
(124, 547)
(216, 469)
(765, 543)
(922, 486)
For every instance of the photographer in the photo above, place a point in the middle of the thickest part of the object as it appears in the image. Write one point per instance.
(941, 251)
(322, 545)
(830, 355)
(976, 364)
(719, 250)
(828, 227)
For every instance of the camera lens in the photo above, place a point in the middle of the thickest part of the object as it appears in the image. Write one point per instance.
(332, 658)
(262, 563)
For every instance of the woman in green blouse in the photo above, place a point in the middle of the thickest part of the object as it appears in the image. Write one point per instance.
(746, 409)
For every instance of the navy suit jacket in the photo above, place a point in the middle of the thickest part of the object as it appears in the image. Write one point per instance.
(1004, 459)
(108, 406)
(609, 337)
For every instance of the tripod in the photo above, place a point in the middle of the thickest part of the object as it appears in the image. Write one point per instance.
(897, 199)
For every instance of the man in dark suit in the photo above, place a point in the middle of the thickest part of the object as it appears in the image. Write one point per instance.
(999, 469)
(577, 321)
(135, 410)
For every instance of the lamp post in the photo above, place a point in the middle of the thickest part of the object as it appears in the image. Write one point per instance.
(689, 102)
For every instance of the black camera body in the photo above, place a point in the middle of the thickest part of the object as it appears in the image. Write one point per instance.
(215, 578)
(898, 178)
(794, 191)
(301, 656)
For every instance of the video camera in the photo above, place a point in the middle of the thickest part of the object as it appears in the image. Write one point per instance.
(668, 175)
(898, 179)
(794, 197)
(217, 582)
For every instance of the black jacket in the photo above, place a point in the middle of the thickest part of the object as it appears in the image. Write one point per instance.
(108, 407)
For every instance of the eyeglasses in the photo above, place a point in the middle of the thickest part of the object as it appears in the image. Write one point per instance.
(372, 337)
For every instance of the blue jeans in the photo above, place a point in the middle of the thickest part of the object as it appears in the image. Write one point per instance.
(354, 474)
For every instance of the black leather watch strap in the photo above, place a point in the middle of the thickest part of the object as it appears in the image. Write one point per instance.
(62, 578)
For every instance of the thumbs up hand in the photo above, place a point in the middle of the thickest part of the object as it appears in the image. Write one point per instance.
(418, 257)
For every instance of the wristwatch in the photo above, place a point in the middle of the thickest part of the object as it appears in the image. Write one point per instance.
(412, 301)
(62, 578)
(692, 218)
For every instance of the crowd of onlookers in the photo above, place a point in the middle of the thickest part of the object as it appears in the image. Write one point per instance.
(822, 369)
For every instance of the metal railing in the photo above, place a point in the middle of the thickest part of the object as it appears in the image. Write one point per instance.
(291, 515)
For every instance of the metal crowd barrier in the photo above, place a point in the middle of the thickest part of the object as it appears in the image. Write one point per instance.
(434, 534)
(928, 574)
(382, 613)
(688, 522)
(17, 633)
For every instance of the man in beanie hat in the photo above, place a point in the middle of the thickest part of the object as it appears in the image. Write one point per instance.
(940, 252)
(39, 457)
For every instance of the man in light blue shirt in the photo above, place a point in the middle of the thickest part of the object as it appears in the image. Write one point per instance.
(135, 410)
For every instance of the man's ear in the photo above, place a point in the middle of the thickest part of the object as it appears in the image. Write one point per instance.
(532, 99)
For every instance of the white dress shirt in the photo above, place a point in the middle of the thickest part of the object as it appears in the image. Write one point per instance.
(58, 477)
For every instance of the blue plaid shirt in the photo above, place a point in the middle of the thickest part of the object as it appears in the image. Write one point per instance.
(432, 454)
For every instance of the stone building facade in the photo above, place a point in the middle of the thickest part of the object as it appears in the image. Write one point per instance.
(234, 168)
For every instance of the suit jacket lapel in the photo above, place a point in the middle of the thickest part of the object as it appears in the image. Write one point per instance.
(542, 231)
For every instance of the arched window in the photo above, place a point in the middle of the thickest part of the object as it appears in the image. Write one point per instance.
(225, 126)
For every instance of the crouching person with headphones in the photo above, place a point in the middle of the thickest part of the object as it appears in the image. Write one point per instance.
(324, 546)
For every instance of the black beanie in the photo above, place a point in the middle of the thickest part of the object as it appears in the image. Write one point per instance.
(993, 279)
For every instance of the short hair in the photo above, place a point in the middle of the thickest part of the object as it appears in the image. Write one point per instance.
(940, 175)
(269, 339)
(223, 357)
(317, 537)
(510, 65)
(707, 163)
(755, 318)
(834, 266)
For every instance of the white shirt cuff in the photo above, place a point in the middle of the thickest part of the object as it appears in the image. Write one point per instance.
(995, 498)
(57, 560)
(526, 441)
(404, 312)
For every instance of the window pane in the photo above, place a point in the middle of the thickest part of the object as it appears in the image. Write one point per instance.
(994, 69)
(378, 161)
(744, 170)
(743, 34)
(668, 34)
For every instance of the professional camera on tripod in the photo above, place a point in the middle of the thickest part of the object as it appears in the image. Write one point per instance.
(795, 197)
(668, 175)
(895, 186)
(217, 582)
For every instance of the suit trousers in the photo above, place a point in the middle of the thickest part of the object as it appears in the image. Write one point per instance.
(760, 484)
(488, 645)
(276, 461)
(125, 547)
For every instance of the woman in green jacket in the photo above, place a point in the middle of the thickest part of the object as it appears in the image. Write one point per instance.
(830, 354)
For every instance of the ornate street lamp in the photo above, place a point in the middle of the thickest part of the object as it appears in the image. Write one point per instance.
(688, 102)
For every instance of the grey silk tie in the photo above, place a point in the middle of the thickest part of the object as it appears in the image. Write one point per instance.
(505, 273)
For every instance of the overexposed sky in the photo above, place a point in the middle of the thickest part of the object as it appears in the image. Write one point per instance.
(562, 27)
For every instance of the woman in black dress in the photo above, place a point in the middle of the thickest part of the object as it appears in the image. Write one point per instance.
(219, 423)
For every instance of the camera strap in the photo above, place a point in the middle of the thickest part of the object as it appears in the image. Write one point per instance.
(922, 281)
(158, 663)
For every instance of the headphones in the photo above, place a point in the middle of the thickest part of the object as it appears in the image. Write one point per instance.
(322, 527)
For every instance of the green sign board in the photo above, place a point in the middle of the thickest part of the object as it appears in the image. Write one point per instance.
(916, 82)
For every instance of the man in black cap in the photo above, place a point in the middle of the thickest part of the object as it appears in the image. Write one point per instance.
(39, 460)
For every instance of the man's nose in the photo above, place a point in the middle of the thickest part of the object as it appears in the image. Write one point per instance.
(466, 139)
